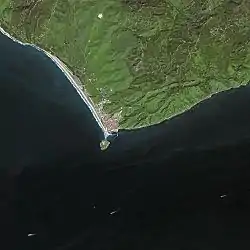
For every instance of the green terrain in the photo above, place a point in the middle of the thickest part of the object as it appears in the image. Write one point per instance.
(142, 60)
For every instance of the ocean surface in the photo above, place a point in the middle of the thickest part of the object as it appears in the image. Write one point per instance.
(181, 184)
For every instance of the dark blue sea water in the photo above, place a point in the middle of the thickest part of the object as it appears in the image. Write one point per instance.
(42, 114)
(181, 184)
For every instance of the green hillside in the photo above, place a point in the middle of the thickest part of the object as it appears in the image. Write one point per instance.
(145, 60)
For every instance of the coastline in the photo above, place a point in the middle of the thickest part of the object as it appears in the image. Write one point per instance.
(70, 76)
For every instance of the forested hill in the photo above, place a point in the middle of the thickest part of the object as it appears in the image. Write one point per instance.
(141, 61)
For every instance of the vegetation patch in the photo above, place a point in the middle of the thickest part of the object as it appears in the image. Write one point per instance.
(146, 60)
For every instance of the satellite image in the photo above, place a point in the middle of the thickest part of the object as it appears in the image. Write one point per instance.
(125, 124)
